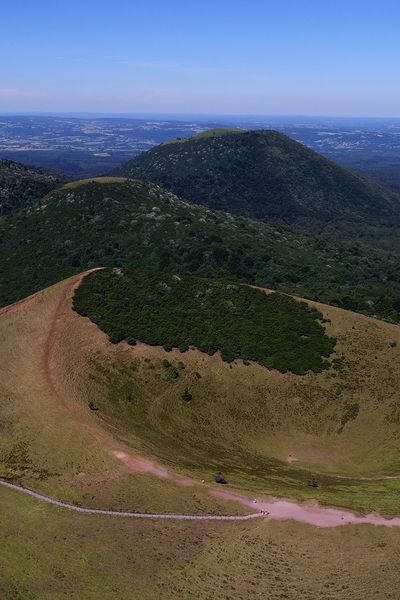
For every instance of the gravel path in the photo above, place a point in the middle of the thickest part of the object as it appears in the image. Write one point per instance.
(281, 510)
(116, 513)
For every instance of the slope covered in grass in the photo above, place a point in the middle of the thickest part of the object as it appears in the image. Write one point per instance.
(49, 439)
(141, 225)
(266, 175)
(48, 554)
(212, 315)
(242, 419)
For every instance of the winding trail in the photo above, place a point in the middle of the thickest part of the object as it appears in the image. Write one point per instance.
(137, 515)
(131, 462)
(50, 342)
(278, 510)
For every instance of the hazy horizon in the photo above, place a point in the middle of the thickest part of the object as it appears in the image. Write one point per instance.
(298, 58)
(195, 115)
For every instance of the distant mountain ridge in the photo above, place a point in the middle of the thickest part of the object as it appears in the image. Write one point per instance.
(21, 185)
(266, 175)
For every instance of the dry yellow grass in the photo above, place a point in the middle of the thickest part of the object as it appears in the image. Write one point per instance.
(243, 419)
(270, 412)
(48, 554)
(75, 184)
(50, 440)
(46, 447)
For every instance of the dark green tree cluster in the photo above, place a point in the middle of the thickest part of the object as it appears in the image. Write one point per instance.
(21, 186)
(212, 315)
(187, 396)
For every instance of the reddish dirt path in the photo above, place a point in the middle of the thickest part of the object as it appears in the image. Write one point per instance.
(133, 463)
(11, 308)
(138, 515)
(278, 510)
(50, 342)
(308, 512)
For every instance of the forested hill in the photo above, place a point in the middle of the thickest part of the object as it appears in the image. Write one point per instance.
(116, 223)
(21, 185)
(267, 175)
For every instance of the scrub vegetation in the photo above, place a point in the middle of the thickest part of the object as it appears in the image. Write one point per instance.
(132, 223)
(21, 186)
(178, 312)
(266, 175)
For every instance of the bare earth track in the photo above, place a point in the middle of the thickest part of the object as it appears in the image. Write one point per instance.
(280, 510)
(115, 513)
(21, 304)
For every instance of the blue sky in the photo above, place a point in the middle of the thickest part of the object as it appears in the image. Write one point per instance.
(230, 57)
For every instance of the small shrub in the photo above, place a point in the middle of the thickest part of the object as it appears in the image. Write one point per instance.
(187, 396)
(172, 373)
(350, 414)
(219, 478)
(338, 363)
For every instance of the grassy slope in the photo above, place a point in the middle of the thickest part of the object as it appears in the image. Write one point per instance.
(48, 554)
(77, 184)
(136, 224)
(244, 420)
(51, 448)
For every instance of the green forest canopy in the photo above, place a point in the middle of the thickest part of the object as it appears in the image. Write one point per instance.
(242, 322)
